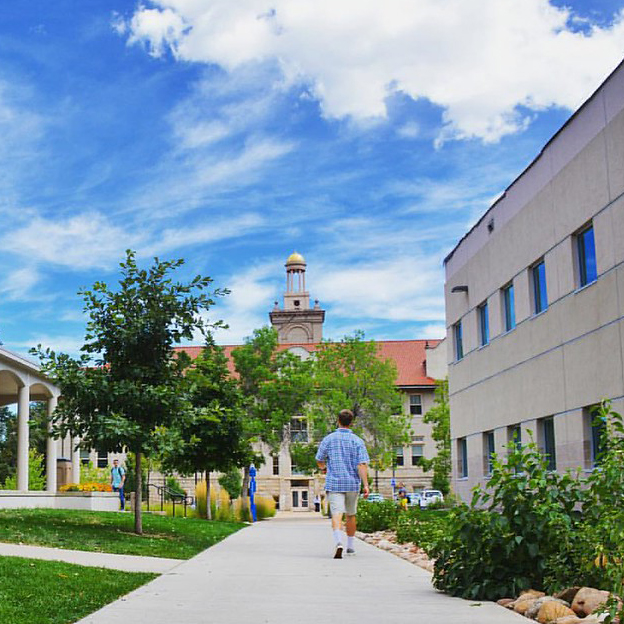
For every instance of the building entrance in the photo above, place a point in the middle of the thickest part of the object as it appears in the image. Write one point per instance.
(300, 499)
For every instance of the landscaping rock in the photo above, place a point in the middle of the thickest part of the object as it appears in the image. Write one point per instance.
(571, 619)
(552, 610)
(503, 602)
(567, 594)
(588, 599)
(522, 606)
(533, 610)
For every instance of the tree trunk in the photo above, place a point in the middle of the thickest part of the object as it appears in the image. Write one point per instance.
(245, 489)
(138, 496)
(208, 511)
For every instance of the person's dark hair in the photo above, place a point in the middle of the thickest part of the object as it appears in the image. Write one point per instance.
(345, 417)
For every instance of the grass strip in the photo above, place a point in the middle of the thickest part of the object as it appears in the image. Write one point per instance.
(53, 592)
(111, 532)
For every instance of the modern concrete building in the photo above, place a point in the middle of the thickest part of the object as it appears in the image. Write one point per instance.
(535, 300)
(419, 363)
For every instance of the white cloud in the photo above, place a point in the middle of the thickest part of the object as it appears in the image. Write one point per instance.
(478, 59)
(18, 284)
(87, 240)
(397, 289)
(247, 306)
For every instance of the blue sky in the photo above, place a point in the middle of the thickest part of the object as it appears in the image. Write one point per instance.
(368, 136)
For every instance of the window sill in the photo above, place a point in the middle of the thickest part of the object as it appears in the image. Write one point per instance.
(507, 331)
(582, 288)
(536, 314)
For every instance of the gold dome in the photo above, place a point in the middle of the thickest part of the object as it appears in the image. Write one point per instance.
(295, 258)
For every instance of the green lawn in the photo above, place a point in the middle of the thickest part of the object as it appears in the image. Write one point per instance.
(176, 538)
(51, 592)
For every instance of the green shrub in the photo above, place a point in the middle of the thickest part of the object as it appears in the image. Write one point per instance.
(502, 543)
(265, 507)
(376, 516)
(174, 486)
(425, 529)
(91, 474)
(36, 476)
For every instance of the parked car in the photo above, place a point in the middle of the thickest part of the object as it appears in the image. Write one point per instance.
(413, 499)
(375, 497)
(429, 496)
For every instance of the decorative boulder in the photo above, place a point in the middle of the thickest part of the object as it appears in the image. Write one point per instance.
(552, 610)
(503, 602)
(588, 599)
(533, 610)
(567, 594)
(522, 606)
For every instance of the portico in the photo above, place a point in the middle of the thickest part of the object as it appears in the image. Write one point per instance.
(21, 382)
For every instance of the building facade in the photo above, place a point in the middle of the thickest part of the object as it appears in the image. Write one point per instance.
(419, 363)
(535, 301)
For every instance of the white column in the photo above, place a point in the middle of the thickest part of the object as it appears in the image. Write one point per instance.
(75, 458)
(23, 412)
(51, 449)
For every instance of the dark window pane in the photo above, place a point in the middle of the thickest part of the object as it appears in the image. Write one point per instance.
(459, 345)
(484, 324)
(587, 256)
(539, 287)
(549, 443)
(509, 305)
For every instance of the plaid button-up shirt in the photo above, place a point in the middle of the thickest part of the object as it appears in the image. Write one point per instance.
(342, 450)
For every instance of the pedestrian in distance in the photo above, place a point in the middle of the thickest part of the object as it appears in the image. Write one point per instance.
(344, 457)
(118, 478)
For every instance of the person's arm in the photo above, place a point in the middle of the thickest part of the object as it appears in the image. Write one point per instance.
(363, 472)
(321, 456)
(123, 477)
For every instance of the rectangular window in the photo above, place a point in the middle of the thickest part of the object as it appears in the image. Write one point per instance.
(484, 324)
(540, 296)
(418, 438)
(488, 452)
(298, 430)
(586, 251)
(462, 458)
(415, 404)
(399, 459)
(85, 457)
(417, 454)
(102, 459)
(275, 465)
(594, 427)
(459, 342)
(509, 308)
(514, 434)
(546, 434)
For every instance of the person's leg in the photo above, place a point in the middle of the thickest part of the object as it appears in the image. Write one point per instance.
(337, 502)
(351, 500)
(122, 499)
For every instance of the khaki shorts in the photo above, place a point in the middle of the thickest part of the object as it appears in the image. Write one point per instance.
(343, 502)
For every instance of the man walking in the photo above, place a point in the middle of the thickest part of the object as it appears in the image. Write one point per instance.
(118, 478)
(344, 456)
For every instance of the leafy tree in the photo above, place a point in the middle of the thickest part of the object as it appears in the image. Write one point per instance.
(350, 375)
(275, 385)
(127, 383)
(209, 436)
(231, 482)
(440, 417)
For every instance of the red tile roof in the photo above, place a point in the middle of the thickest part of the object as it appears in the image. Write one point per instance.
(409, 356)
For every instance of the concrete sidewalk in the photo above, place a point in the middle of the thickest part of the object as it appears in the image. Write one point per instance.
(281, 572)
(126, 563)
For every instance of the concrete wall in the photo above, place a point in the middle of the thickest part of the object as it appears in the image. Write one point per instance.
(90, 501)
(571, 355)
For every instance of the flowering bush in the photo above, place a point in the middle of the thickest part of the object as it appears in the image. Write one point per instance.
(86, 487)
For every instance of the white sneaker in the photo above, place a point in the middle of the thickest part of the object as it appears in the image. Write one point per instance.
(351, 551)
(338, 553)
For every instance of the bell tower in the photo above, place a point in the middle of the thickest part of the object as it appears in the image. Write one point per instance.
(297, 322)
